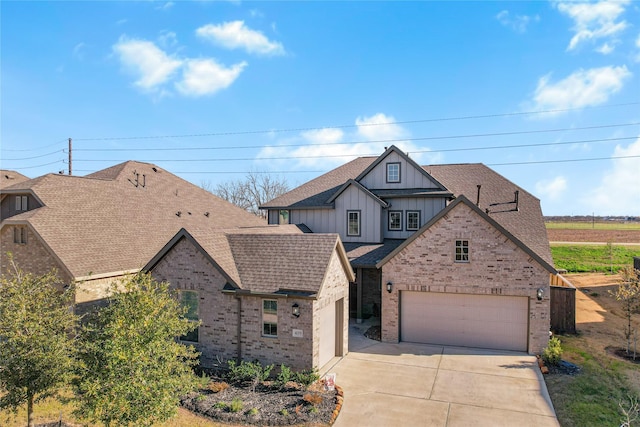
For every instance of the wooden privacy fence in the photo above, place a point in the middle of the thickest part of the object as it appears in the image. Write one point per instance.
(563, 305)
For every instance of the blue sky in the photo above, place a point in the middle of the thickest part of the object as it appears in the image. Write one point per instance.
(214, 90)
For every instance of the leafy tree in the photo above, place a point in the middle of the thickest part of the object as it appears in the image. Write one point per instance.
(133, 371)
(628, 292)
(36, 341)
(251, 192)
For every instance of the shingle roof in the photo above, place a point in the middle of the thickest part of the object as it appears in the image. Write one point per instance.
(526, 224)
(265, 259)
(9, 177)
(367, 255)
(317, 191)
(104, 223)
(267, 263)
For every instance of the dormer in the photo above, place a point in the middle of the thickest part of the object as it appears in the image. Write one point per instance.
(395, 170)
(16, 202)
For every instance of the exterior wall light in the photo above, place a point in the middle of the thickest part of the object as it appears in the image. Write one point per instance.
(295, 310)
(540, 294)
(389, 287)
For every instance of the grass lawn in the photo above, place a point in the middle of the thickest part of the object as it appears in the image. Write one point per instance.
(51, 410)
(592, 397)
(588, 258)
(608, 225)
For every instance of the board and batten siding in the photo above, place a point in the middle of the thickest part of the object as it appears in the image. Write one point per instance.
(354, 199)
(318, 220)
(428, 208)
(410, 177)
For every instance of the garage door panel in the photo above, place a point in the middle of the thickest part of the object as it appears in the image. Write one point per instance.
(487, 321)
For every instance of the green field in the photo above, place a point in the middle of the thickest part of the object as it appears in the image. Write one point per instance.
(588, 258)
(602, 225)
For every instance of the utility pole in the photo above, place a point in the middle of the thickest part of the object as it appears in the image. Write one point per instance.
(70, 169)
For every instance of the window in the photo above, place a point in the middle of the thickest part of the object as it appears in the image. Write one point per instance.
(395, 220)
(269, 318)
(22, 203)
(353, 223)
(413, 220)
(20, 235)
(462, 251)
(283, 217)
(393, 172)
(189, 300)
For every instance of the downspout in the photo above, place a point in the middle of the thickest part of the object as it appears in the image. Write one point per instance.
(239, 350)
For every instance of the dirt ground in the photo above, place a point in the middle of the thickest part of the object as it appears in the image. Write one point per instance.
(613, 236)
(600, 319)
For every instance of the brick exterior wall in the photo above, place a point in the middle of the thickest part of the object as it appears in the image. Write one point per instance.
(334, 288)
(186, 268)
(497, 267)
(32, 257)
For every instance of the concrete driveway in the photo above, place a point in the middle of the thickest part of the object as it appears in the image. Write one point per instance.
(429, 385)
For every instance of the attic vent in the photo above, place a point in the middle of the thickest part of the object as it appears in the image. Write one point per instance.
(178, 213)
(206, 214)
(514, 204)
(154, 169)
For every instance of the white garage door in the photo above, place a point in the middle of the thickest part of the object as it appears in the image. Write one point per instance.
(327, 334)
(485, 321)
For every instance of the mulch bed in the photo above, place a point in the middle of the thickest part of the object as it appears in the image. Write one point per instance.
(564, 368)
(622, 354)
(373, 333)
(268, 405)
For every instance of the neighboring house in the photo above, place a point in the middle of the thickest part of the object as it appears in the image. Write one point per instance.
(446, 254)
(8, 178)
(96, 228)
(271, 293)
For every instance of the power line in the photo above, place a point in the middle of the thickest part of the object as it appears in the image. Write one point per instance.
(427, 138)
(39, 166)
(35, 157)
(327, 156)
(405, 122)
(562, 161)
(34, 149)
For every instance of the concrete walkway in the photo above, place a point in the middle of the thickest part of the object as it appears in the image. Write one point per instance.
(430, 385)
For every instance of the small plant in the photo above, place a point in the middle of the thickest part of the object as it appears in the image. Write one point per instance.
(552, 354)
(284, 412)
(236, 405)
(218, 386)
(284, 376)
(630, 411)
(200, 397)
(253, 411)
(220, 405)
(312, 399)
(306, 377)
(313, 409)
(252, 373)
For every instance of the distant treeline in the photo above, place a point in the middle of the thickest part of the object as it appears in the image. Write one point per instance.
(591, 218)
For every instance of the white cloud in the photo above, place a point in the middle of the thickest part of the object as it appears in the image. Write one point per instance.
(619, 189)
(638, 42)
(236, 35)
(552, 189)
(167, 38)
(517, 23)
(166, 6)
(330, 147)
(605, 49)
(206, 77)
(151, 65)
(582, 88)
(121, 22)
(593, 21)
(78, 51)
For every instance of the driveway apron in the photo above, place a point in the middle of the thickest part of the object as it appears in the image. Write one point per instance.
(429, 385)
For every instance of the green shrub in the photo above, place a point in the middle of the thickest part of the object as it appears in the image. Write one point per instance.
(252, 373)
(253, 411)
(552, 354)
(284, 376)
(236, 405)
(284, 412)
(220, 405)
(306, 377)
